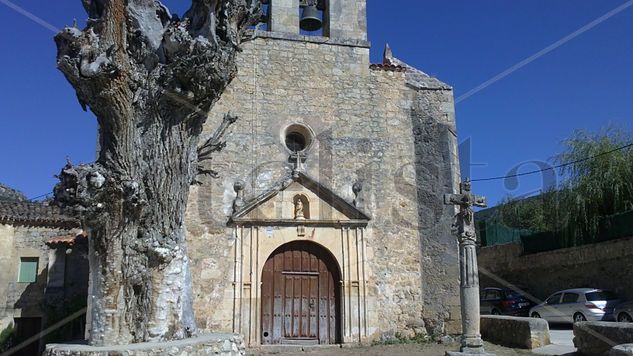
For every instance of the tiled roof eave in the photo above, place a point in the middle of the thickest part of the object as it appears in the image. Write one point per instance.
(35, 214)
(30, 222)
(388, 68)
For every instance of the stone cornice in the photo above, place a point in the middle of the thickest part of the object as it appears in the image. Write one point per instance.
(309, 39)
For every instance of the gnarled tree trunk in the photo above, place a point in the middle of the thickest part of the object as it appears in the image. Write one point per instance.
(150, 79)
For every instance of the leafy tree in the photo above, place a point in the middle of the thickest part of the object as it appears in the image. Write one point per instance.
(598, 186)
(523, 213)
(597, 182)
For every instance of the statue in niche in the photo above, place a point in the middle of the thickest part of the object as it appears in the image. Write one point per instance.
(299, 214)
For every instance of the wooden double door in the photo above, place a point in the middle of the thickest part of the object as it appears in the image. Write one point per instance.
(300, 296)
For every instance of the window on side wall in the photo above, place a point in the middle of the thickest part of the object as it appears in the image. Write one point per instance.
(28, 269)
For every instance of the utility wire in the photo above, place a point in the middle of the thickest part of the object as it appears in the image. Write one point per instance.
(502, 177)
(556, 167)
(40, 196)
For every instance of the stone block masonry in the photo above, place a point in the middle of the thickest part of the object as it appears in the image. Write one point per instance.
(597, 338)
(525, 333)
(392, 130)
(605, 265)
(23, 299)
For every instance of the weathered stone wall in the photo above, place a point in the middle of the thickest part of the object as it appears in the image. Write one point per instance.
(7, 233)
(437, 173)
(525, 333)
(597, 337)
(605, 265)
(369, 126)
(23, 299)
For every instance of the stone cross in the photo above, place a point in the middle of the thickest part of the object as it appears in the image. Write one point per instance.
(298, 159)
(464, 225)
(464, 229)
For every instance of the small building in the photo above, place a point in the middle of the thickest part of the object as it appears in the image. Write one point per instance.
(43, 271)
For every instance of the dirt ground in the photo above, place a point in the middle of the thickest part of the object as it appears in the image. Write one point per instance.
(380, 350)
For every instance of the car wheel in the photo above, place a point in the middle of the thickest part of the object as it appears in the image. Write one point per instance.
(578, 317)
(536, 315)
(495, 312)
(625, 318)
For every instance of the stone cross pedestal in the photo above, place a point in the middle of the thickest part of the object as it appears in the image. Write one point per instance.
(464, 229)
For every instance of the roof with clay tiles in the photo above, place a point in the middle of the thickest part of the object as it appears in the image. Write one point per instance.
(388, 67)
(10, 194)
(415, 77)
(26, 213)
(68, 240)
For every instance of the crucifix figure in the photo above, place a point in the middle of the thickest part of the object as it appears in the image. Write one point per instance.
(464, 225)
(464, 229)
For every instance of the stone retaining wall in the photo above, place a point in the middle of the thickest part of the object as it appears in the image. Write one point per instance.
(605, 265)
(525, 333)
(598, 337)
(622, 350)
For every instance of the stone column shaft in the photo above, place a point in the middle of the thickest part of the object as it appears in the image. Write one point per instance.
(471, 338)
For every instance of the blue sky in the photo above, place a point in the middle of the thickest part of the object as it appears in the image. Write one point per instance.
(586, 83)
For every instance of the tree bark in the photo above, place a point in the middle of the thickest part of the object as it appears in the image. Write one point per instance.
(150, 79)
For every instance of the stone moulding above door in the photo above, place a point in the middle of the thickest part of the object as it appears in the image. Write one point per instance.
(327, 210)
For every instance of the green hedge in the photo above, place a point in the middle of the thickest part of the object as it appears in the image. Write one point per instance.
(610, 228)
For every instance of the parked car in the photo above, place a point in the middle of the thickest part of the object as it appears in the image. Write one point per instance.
(503, 301)
(624, 312)
(576, 305)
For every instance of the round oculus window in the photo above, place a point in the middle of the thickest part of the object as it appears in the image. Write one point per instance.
(295, 142)
(298, 138)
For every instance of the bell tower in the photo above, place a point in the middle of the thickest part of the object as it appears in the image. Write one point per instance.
(348, 19)
(344, 20)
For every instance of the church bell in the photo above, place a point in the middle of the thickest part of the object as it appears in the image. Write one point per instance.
(310, 20)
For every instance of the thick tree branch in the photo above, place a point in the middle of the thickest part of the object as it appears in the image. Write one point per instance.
(215, 143)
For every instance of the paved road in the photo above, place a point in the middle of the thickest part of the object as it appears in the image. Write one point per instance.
(562, 341)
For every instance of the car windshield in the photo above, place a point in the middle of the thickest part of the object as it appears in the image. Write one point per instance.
(600, 295)
(510, 294)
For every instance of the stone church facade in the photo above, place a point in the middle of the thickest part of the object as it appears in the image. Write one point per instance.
(327, 224)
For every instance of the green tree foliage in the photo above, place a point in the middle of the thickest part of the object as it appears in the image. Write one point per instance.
(523, 214)
(597, 185)
(537, 214)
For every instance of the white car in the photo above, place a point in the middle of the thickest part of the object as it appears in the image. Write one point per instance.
(576, 305)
